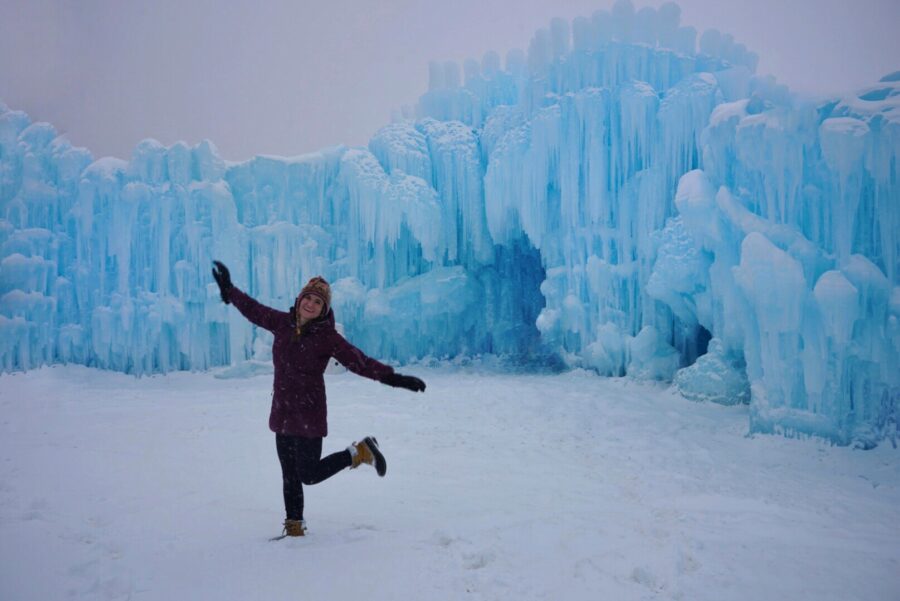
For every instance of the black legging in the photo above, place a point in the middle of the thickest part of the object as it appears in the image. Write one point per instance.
(302, 463)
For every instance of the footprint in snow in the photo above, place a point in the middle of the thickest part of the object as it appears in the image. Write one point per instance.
(643, 576)
(442, 539)
(477, 561)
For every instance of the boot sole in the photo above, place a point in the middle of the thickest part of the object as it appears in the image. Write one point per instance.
(380, 462)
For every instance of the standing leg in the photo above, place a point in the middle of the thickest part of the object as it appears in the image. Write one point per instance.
(291, 475)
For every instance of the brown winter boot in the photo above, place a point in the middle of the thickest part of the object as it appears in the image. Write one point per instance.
(367, 451)
(294, 528)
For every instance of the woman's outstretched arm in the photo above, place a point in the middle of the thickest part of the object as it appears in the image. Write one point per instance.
(359, 363)
(256, 312)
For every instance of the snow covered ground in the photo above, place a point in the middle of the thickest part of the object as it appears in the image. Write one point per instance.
(498, 487)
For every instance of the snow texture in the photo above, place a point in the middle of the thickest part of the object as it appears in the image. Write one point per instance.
(498, 487)
(616, 198)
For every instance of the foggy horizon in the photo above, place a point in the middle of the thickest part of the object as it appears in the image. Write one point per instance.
(288, 79)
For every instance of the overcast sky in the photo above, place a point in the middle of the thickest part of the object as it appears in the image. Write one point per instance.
(287, 77)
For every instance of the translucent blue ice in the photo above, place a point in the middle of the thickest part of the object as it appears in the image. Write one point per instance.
(616, 198)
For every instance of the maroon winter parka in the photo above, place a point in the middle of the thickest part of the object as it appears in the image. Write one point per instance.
(298, 399)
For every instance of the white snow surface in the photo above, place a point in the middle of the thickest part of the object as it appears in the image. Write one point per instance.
(498, 487)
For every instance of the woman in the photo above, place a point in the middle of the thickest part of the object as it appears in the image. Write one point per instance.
(305, 340)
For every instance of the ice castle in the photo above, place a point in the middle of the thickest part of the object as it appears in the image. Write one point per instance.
(623, 197)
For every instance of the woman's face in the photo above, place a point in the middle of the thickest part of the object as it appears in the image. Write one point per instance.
(310, 307)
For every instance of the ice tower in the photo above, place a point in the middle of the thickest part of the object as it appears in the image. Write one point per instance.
(622, 197)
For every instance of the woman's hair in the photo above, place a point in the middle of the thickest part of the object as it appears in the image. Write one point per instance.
(319, 288)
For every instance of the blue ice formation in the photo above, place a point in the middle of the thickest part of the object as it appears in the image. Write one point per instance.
(622, 197)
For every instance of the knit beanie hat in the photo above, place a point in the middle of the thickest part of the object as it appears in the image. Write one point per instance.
(320, 288)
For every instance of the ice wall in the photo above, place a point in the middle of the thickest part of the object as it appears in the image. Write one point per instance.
(622, 196)
(788, 241)
(107, 262)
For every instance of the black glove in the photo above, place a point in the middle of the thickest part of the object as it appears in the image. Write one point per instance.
(223, 279)
(400, 381)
